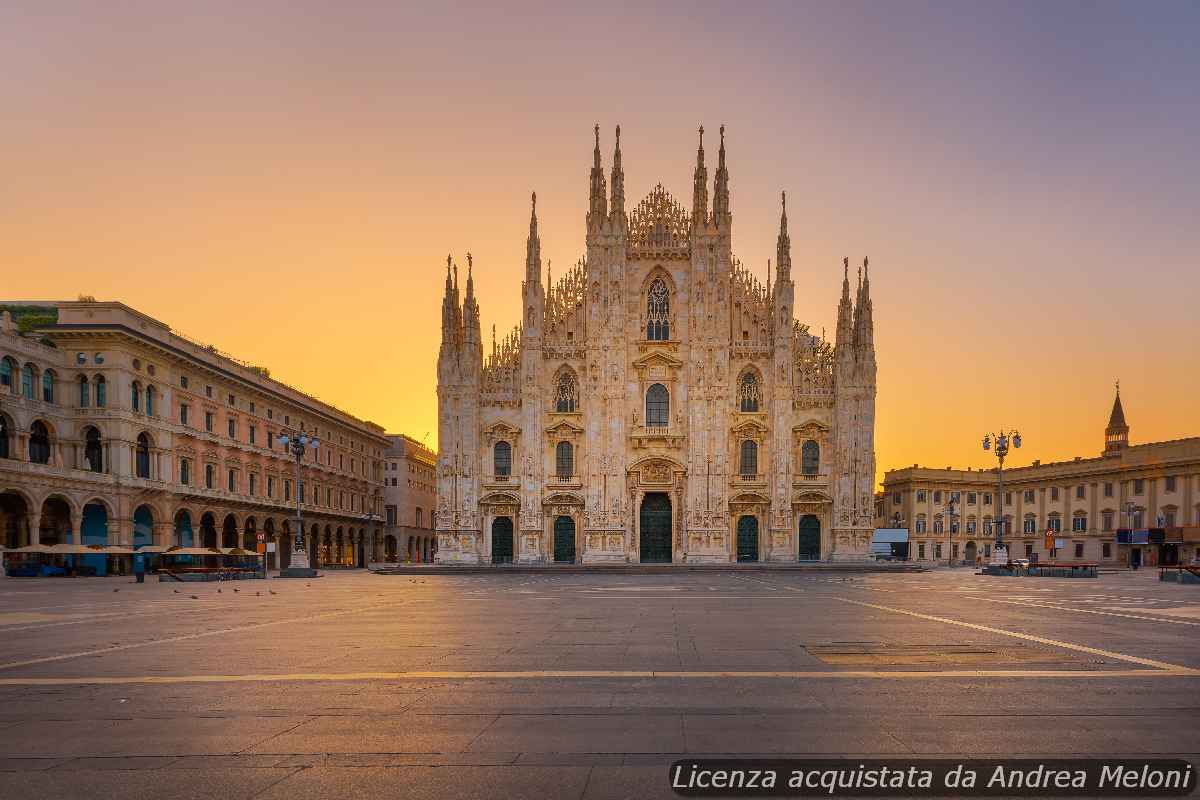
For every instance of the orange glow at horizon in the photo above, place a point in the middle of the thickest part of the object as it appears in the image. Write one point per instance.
(285, 183)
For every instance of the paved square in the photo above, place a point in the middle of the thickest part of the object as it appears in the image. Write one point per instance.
(578, 686)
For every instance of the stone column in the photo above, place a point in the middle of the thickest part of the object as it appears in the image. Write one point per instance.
(34, 521)
(162, 533)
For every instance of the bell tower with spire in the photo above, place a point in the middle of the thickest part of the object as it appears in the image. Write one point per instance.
(1116, 435)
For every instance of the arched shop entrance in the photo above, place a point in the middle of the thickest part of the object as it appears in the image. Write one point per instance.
(94, 530)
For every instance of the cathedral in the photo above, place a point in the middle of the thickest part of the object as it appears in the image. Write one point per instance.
(656, 403)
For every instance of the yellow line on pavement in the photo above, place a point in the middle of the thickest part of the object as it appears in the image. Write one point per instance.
(1079, 648)
(501, 675)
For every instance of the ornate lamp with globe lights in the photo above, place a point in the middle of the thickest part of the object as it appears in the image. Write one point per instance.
(297, 444)
(1002, 440)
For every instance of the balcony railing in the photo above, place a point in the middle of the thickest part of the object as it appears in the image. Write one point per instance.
(749, 477)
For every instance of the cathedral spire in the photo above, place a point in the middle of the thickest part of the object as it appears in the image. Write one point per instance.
(597, 203)
(864, 326)
(783, 246)
(533, 246)
(845, 316)
(449, 309)
(700, 190)
(721, 215)
(617, 206)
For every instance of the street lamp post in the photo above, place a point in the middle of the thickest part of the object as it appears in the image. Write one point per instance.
(372, 517)
(949, 522)
(1000, 552)
(297, 444)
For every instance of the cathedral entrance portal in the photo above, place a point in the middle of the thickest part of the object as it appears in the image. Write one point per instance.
(747, 539)
(810, 538)
(564, 540)
(654, 529)
(502, 540)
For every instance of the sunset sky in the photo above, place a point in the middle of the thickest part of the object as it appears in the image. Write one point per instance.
(285, 179)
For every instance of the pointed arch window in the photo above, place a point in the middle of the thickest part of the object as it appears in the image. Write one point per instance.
(658, 406)
(658, 312)
(566, 395)
(748, 463)
(143, 456)
(564, 460)
(810, 458)
(748, 392)
(83, 391)
(48, 386)
(93, 451)
(101, 392)
(502, 459)
(39, 443)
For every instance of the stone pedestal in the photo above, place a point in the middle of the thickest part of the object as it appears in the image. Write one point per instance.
(999, 555)
(299, 567)
(457, 548)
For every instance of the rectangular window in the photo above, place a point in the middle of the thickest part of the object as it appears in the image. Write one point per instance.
(1108, 489)
(302, 500)
(183, 414)
(1008, 498)
(1170, 483)
(270, 413)
(270, 440)
(1169, 518)
(971, 498)
(183, 381)
(208, 421)
(208, 391)
(1079, 523)
(895, 498)
(1138, 520)
(987, 498)
(1028, 551)
(1056, 524)
(1106, 549)
(937, 496)
(1139, 486)
(252, 407)
(232, 400)
(1108, 520)
(209, 476)
(417, 519)
(954, 497)
(271, 486)
(1053, 492)
(253, 482)
(287, 490)
(1079, 492)
(233, 429)
(390, 514)
(921, 551)
(1079, 549)
(920, 495)
(1028, 495)
(185, 471)
(251, 433)
(937, 551)
(232, 481)
(1030, 525)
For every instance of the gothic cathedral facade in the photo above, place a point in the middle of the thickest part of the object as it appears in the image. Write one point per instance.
(657, 403)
